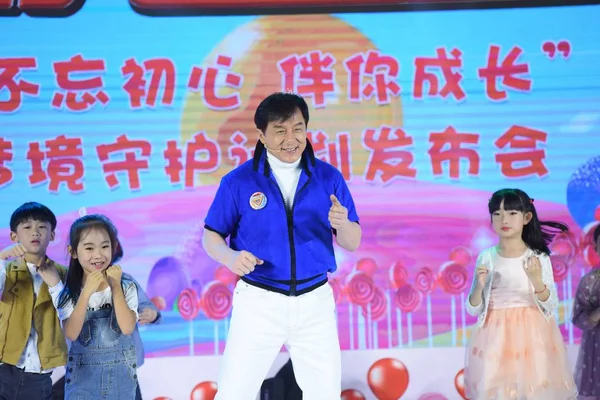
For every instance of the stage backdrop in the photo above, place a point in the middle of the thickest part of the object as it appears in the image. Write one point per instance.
(110, 110)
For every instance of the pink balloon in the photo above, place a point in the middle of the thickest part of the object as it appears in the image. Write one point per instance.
(432, 396)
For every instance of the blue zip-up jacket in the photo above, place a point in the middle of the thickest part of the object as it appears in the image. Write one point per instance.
(295, 243)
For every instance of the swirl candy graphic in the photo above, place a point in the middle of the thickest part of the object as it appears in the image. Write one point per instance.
(398, 274)
(407, 298)
(425, 280)
(560, 268)
(187, 303)
(360, 288)
(216, 300)
(453, 277)
(378, 305)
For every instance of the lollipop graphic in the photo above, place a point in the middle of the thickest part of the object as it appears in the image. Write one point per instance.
(216, 301)
(360, 290)
(187, 304)
(373, 313)
(454, 280)
(425, 282)
(407, 299)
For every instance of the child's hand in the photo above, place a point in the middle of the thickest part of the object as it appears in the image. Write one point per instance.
(147, 316)
(533, 269)
(49, 273)
(93, 282)
(481, 272)
(113, 274)
(13, 251)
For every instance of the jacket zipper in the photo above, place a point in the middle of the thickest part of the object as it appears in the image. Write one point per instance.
(290, 225)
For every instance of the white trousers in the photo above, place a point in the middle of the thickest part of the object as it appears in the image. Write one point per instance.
(261, 323)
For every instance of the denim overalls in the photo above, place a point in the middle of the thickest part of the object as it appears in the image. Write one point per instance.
(102, 361)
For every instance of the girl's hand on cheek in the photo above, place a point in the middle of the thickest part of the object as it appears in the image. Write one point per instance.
(93, 282)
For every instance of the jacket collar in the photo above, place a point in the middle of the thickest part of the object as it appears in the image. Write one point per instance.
(20, 264)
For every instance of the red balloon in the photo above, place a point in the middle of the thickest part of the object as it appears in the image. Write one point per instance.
(204, 391)
(159, 302)
(388, 379)
(352, 394)
(597, 214)
(367, 265)
(459, 383)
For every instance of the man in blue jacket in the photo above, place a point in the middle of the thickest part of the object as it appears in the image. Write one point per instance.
(280, 211)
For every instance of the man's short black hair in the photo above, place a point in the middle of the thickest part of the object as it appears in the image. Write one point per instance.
(32, 211)
(279, 107)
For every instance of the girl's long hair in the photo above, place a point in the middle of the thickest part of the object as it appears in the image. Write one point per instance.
(80, 227)
(537, 234)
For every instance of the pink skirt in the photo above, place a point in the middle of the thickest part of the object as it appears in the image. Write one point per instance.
(518, 355)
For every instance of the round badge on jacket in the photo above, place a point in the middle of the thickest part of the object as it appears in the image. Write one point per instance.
(258, 200)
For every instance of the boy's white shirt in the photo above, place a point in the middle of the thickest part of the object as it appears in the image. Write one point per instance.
(30, 359)
(485, 259)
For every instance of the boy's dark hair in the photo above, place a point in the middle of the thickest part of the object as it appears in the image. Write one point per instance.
(596, 234)
(32, 211)
(536, 234)
(279, 107)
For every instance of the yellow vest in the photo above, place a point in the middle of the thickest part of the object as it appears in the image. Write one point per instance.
(19, 308)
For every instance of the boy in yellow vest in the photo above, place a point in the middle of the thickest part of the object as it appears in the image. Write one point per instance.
(32, 343)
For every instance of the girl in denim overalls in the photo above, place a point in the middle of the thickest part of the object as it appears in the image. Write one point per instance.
(98, 308)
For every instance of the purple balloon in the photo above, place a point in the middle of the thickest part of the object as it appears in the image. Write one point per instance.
(167, 279)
